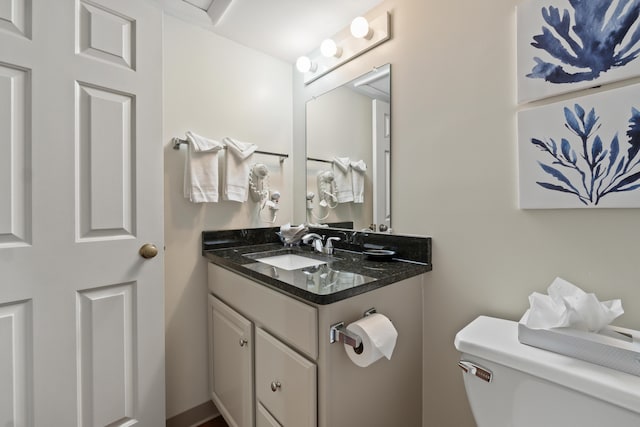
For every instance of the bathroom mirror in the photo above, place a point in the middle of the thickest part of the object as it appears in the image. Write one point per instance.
(348, 137)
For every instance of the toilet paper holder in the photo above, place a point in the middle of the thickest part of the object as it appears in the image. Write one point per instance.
(338, 333)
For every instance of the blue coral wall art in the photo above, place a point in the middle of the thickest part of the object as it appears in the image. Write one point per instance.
(581, 153)
(567, 45)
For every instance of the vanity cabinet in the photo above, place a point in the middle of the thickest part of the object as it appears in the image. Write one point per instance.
(250, 326)
(271, 362)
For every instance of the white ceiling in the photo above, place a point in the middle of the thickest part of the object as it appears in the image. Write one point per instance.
(284, 29)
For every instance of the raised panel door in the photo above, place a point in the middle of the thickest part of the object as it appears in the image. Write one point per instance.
(81, 313)
(231, 363)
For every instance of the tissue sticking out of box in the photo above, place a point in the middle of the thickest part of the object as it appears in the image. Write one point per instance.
(568, 306)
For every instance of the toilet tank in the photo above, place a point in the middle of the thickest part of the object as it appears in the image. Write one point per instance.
(516, 385)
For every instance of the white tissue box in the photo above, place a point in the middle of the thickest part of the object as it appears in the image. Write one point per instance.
(613, 347)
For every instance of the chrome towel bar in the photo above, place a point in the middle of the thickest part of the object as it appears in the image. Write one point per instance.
(177, 142)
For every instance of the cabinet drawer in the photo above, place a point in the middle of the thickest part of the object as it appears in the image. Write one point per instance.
(285, 382)
(264, 418)
(290, 320)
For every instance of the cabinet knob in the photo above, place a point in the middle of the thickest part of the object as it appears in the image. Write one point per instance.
(275, 386)
(243, 342)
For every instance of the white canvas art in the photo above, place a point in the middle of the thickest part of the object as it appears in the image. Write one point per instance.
(567, 45)
(581, 153)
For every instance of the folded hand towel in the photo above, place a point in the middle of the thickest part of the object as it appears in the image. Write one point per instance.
(236, 176)
(357, 173)
(201, 169)
(342, 173)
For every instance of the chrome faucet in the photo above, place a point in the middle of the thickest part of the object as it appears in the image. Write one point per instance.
(316, 240)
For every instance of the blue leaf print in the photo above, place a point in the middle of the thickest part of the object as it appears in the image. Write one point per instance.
(558, 175)
(590, 122)
(602, 39)
(580, 111)
(539, 143)
(614, 149)
(572, 121)
(634, 133)
(596, 149)
(566, 149)
(599, 169)
(635, 187)
(628, 180)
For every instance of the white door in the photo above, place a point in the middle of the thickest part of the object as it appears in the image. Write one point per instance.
(381, 163)
(81, 312)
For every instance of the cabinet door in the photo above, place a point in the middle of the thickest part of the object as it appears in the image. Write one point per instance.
(285, 382)
(264, 418)
(230, 363)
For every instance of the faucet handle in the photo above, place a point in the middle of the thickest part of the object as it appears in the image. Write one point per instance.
(328, 247)
(329, 244)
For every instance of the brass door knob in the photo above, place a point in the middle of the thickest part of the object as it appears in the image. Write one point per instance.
(148, 250)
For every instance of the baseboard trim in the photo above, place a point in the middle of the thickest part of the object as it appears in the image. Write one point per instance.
(194, 416)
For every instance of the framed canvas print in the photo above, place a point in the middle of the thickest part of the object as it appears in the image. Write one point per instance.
(581, 153)
(567, 45)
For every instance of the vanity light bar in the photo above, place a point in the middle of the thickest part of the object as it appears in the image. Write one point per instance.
(350, 47)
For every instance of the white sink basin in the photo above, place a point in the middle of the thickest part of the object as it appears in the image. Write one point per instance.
(290, 261)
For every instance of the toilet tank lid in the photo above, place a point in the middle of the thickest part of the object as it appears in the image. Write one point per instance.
(496, 340)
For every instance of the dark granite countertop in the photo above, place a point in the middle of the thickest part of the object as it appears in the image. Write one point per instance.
(346, 273)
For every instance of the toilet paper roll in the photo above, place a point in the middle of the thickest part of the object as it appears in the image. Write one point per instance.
(378, 339)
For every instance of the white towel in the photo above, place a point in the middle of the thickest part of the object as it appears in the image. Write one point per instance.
(344, 184)
(236, 175)
(357, 173)
(201, 169)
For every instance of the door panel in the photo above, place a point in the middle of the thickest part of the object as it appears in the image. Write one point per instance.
(15, 364)
(15, 188)
(106, 354)
(106, 35)
(106, 168)
(15, 17)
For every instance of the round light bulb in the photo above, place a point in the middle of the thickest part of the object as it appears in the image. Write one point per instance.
(304, 64)
(360, 28)
(329, 48)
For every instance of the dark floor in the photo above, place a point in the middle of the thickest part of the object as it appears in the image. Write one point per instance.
(216, 422)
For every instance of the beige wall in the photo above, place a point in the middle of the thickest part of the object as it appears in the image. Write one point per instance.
(216, 88)
(455, 177)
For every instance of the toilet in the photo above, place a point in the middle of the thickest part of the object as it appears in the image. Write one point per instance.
(510, 384)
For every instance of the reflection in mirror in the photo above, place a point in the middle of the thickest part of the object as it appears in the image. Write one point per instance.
(349, 153)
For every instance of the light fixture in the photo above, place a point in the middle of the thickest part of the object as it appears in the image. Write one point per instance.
(344, 46)
(304, 64)
(329, 48)
(360, 28)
